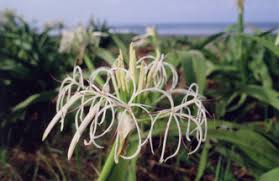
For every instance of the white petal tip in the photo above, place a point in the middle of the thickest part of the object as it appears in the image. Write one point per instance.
(44, 136)
(70, 155)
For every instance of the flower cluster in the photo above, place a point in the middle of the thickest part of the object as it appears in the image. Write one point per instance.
(79, 39)
(132, 101)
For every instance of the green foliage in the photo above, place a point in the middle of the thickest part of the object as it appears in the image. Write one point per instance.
(266, 95)
(203, 161)
(270, 175)
(223, 170)
(124, 170)
(238, 66)
(29, 62)
(194, 65)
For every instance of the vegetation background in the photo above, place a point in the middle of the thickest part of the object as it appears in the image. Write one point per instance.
(237, 72)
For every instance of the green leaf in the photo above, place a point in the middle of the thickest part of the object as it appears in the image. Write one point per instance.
(218, 169)
(194, 65)
(236, 105)
(260, 70)
(174, 58)
(40, 97)
(3, 156)
(106, 55)
(203, 161)
(88, 63)
(125, 169)
(267, 44)
(108, 165)
(207, 40)
(270, 175)
(120, 44)
(254, 145)
(267, 32)
(266, 95)
(239, 158)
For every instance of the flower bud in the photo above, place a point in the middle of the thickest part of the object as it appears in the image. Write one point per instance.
(240, 6)
(141, 77)
(132, 61)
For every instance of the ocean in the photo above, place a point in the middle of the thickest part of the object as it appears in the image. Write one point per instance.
(190, 28)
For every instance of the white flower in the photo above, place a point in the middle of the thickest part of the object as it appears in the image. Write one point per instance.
(79, 39)
(126, 103)
(240, 6)
(142, 40)
(6, 15)
(66, 41)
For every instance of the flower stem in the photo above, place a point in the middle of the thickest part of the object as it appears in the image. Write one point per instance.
(109, 164)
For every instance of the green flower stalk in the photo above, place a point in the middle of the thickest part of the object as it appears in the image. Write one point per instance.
(132, 100)
(240, 7)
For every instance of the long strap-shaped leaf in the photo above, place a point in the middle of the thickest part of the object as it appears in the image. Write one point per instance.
(264, 42)
(266, 95)
(254, 145)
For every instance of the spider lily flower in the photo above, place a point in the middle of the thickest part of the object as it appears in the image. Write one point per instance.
(240, 6)
(6, 15)
(149, 32)
(79, 39)
(150, 36)
(126, 104)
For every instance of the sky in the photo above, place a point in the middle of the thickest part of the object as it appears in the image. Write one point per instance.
(142, 11)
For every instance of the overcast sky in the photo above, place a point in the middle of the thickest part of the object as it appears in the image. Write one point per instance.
(142, 11)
